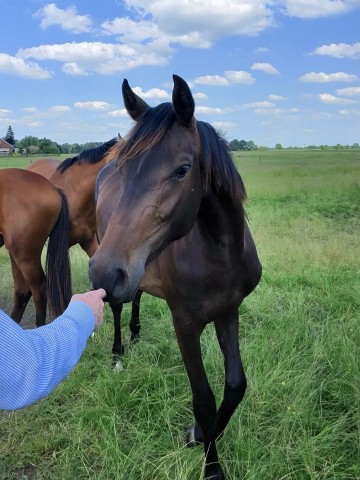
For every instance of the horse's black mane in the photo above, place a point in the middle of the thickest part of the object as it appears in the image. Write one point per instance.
(91, 155)
(218, 167)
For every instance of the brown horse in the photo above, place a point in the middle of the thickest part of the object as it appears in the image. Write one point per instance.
(31, 211)
(76, 176)
(175, 187)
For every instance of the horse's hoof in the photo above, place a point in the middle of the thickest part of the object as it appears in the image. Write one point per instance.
(135, 338)
(214, 472)
(194, 436)
(118, 366)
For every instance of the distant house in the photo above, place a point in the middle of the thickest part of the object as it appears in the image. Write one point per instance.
(5, 147)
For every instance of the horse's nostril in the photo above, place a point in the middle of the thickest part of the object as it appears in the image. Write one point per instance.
(120, 276)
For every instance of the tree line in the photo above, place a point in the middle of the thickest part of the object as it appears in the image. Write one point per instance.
(243, 145)
(31, 145)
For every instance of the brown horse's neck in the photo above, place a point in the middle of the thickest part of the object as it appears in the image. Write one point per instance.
(219, 214)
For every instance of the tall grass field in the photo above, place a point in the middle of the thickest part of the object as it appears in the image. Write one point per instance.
(300, 345)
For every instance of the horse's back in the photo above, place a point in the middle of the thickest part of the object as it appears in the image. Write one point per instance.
(44, 166)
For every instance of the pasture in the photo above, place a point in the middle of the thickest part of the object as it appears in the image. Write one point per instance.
(300, 339)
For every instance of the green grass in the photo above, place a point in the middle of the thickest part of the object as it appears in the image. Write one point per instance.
(23, 162)
(300, 339)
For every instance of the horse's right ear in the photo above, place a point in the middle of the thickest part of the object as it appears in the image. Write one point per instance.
(135, 106)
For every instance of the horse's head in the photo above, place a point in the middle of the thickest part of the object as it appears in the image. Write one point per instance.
(150, 194)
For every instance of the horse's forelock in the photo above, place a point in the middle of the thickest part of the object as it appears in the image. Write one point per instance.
(146, 133)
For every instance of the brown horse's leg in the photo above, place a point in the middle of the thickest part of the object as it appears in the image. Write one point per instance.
(36, 280)
(227, 331)
(204, 405)
(135, 317)
(22, 292)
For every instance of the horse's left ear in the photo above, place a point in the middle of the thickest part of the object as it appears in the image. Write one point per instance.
(135, 106)
(183, 101)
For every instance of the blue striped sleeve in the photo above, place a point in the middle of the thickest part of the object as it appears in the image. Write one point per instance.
(33, 362)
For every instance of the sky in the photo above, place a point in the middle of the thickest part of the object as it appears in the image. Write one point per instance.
(281, 71)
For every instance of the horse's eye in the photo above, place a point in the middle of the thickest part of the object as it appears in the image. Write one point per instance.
(181, 172)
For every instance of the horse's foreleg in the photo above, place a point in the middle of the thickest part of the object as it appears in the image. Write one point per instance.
(204, 405)
(118, 348)
(227, 330)
(135, 317)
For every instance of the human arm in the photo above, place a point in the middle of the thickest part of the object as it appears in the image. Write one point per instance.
(33, 362)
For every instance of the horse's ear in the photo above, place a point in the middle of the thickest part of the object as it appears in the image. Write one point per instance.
(119, 136)
(183, 101)
(135, 106)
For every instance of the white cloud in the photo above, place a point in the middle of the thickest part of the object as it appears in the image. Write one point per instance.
(18, 66)
(329, 99)
(35, 124)
(72, 68)
(209, 110)
(339, 50)
(276, 98)
(211, 80)
(268, 111)
(262, 50)
(349, 91)
(153, 93)
(204, 21)
(200, 96)
(230, 76)
(30, 109)
(239, 76)
(59, 109)
(348, 113)
(130, 30)
(318, 8)
(4, 111)
(118, 113)
(321, 77)
(104, 58)
(95, 105)
(67, 18)
(6, 121)
(261, 105)
(265, 67)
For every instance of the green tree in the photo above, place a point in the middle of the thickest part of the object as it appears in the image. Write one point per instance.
(47, 146)
(278, 146)
(10, 137)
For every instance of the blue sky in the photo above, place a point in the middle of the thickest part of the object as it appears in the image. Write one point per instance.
(283, 71)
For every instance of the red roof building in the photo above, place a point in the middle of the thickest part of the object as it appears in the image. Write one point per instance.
(5, 147)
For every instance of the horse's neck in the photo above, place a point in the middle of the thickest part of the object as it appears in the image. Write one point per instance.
(217, 238)
(220, 217)
(78, 179)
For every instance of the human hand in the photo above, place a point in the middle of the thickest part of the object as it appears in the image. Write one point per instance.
(94, 299)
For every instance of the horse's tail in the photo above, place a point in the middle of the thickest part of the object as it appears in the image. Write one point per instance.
(58, 273)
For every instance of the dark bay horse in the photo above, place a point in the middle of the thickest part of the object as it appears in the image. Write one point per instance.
(175, 187)
(31, 211)
(76, 176)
